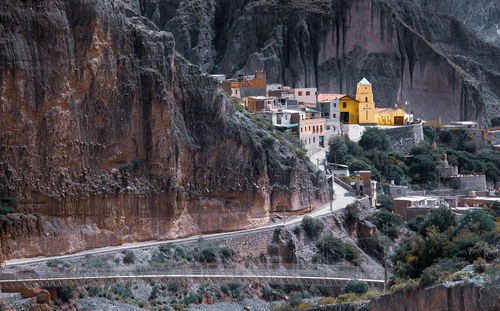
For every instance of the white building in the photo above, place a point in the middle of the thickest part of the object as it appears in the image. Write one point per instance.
(306, 95)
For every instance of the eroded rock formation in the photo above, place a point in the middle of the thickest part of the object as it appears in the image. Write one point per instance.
(409, 54)
(107, 135)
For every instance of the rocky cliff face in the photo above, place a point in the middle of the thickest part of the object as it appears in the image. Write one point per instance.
(430, 60)
(107, 135)
(482, 16)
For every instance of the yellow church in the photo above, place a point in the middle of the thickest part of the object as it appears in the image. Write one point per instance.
(362, 109)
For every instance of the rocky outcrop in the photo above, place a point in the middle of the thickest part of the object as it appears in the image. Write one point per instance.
(464, 297)
(107, 135)
(482, 16)
(440, 297)
(409, 54)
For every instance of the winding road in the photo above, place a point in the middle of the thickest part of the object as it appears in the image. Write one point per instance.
(342, 199)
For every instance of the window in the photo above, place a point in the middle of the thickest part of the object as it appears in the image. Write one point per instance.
(323, 105)
(328, 127)
(344, 104)
(366, 99)
(300, 93)
(314, 140)
(308, 93)
(321, 128)
(334, 105)
(309, 140)
(301, 130)
(334, 115)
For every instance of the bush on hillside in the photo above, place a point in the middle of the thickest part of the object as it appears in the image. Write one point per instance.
(333, 250)
(129, 257)
(65, 293)
(355, 286)
(374, 138)
(312, 227)
(351, 213)
(386, 202)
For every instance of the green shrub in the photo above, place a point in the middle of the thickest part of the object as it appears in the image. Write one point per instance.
(356, 287)
(333, 250)
(192, 298)
(374, 138)
(93, 290)
(129, 257)
(65, 293)
(383, 217)
(174, 288)
(312, 227)
(226, 254)
(154, 293)
(122, 291)
(208, 255)
(351, 213)
(232, 290)
(8, 203)
(442, 218)
(386, 202)
(476, 220)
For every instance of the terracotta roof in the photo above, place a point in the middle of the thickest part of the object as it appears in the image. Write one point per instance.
(328, 97)
(384, 110)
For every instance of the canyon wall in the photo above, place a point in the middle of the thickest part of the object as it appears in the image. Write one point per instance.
(108, 135)
(412, 55)
(482, 17)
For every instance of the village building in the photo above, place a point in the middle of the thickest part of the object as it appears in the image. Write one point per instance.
(240, 87)
(396, 191)
(257, 103)
(412, 206)
(306, 96)
(219, 77)
(366, 109)
(365, 186)
(312, 133)
(285, 120)
(349, 110)
(328, 105)
(389, 116)
(362, 110)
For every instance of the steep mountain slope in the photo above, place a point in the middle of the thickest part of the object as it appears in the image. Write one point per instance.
(107, 135)
(430, 60)
(481, 16)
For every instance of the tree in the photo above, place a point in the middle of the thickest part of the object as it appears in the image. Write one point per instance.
(312, 227)
(430, 133)
(355, 286)
(423, 171)
(442, 219)
(386, 202)
(337, 152)
(351, 213)
(374, 138)
(476, 220)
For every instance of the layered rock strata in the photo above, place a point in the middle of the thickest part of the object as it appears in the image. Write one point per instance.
(107, 135)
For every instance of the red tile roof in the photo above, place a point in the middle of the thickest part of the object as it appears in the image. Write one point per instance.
(328, 97)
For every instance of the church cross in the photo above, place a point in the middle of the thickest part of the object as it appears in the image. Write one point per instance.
(367, 109)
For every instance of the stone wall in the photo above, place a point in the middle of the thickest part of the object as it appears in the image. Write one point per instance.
(476, 182)
(404, 137)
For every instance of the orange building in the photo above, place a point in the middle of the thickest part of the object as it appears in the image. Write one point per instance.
(233, 86)
(312, 133)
